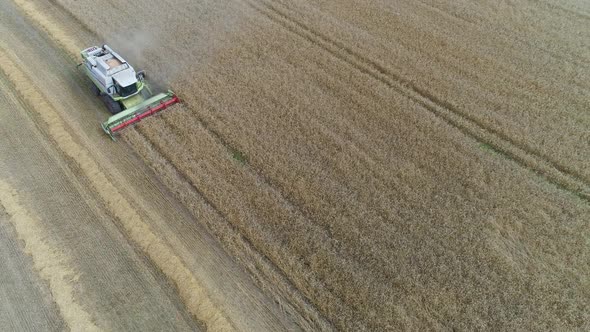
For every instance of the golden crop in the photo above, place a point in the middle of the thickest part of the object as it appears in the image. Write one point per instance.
(387, 166)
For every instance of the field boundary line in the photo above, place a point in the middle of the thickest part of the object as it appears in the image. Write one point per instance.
(552, 172)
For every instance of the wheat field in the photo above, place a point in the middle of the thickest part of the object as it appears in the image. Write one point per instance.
(391, 165)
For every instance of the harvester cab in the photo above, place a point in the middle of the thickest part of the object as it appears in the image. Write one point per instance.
(124, 91)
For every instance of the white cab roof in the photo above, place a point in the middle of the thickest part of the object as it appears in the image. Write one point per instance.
(125, 77)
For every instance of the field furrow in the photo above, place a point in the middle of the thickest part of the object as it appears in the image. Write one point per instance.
(560, 175)
(501, 79)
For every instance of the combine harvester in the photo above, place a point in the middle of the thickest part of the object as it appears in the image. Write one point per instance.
(125, 92)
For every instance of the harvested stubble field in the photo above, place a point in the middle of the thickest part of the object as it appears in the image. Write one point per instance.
(395, 165)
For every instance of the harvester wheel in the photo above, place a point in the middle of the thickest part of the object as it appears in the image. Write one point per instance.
(113, 106)
(95, 90)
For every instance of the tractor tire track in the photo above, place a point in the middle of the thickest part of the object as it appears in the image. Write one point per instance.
(538, 163)
(505, 33)
(577, 12)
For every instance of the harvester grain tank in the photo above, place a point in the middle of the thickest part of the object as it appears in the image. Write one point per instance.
(125, 92)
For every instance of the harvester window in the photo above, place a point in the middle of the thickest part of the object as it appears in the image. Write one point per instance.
(125, 91)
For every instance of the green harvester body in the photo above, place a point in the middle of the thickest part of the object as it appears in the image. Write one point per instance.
(138, 111)
(107, 70)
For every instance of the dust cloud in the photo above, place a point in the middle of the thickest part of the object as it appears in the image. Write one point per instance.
(170, 46)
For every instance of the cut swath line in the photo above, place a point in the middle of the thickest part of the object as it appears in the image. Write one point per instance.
(51, 263)
(50, 27)
(191, 291)
(524, 156)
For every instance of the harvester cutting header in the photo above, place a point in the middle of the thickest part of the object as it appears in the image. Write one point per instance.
(124, 91)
